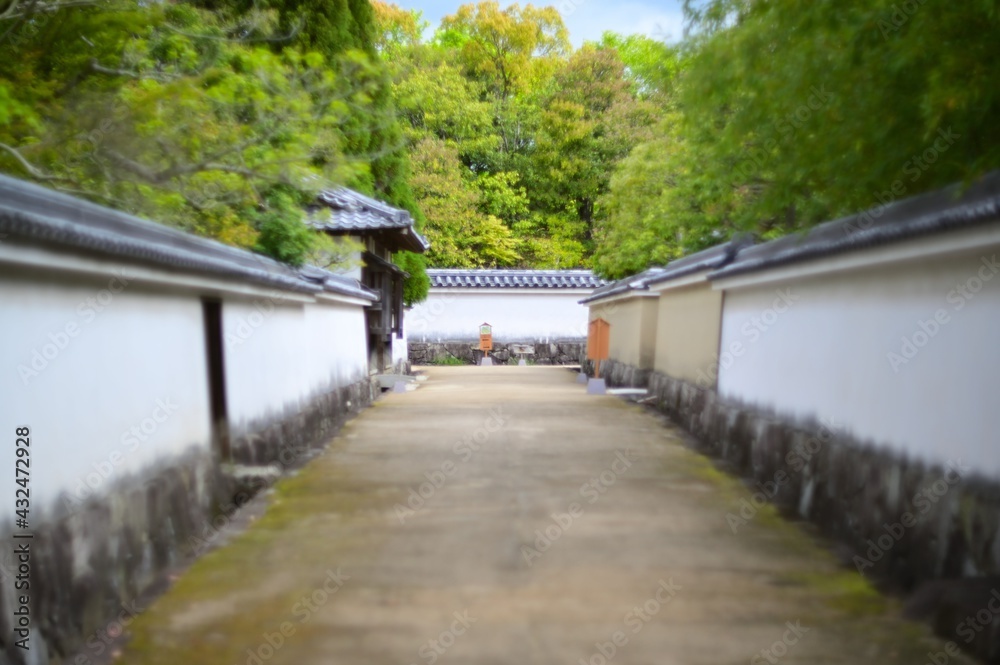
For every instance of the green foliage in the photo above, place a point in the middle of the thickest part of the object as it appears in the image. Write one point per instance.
(461, 235)
(222, 117)
(416, 288)
(448, 361)
(396, 28)
(507, 50)
(650, 65)
(513, 137)
(283, 233)
(788, 113)
(334, 253)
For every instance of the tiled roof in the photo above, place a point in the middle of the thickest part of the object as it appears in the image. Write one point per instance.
(350, 211)
(712, 258)
(632, 283)
(34, 215)
(937, 212)
(338, 283)
(513, 279)
(707, 259)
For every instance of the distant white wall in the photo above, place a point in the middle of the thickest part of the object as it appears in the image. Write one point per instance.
(515, 314)
(896, 354)
(121, 381)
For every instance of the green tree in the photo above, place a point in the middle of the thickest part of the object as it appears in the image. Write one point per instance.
(221, 119)
(461, 235)
(509, 49)
(809, 110)
(590, 122)
(651, 66)
(788, 113)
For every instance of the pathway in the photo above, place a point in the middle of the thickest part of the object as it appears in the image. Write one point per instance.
(500, 515)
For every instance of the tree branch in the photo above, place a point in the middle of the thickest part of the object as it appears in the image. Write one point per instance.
(41, 8)
(101, 69)
(32, 170)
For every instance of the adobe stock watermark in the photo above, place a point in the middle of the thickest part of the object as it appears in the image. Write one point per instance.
(968, 629)
(420, 318)
(130, 440)
(463, 450)
(796, 459)
(434, 648)
(751, 331)
(755, 158)
(914, 167)
(779, 648)
(263, 309)
(567, 7)
(103, 639)
(87, 310)
(111, 119)
(198, 544)
(592, 491)
(303, 610)
(900, 15)
(635, 620)
(929, 328)
(922, 501)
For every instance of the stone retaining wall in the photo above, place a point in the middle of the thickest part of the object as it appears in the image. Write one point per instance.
(901, 521)
(95, 560)
(620, 374)
(284, 438)
(546, 353)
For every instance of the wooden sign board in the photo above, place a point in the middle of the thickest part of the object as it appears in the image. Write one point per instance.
(598, 344)
(598, 337)
(486, 337)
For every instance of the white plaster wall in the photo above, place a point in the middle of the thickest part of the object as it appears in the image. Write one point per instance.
(400, 345)
(521, 315)
(142, 348)
(828, 355)
(278, 353)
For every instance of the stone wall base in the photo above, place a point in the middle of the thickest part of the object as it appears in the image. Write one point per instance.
(284, 438)
(546, 353)
(618, 374)
(908, 525)
(95, 558)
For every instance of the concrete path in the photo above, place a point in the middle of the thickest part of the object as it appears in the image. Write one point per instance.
(500, 515)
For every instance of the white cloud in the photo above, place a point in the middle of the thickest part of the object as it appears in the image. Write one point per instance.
(659, 19)
(591, 18)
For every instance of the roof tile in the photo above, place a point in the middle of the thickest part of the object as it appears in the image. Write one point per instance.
(509, 279)
(34, 215)
(347, 210)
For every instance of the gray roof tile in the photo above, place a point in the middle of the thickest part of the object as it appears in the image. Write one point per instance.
(512, 279)
(34, 215)
(707, 259)
(944, 210)
(347, 210)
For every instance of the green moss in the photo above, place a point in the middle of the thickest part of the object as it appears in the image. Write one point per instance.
(844, 591)
(448, 361)
(223, 603)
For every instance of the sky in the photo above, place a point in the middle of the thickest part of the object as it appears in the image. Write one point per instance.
(586, 19)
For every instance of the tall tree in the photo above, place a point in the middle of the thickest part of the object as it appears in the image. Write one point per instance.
(508, 49)
(461, 234)
(794, 112)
